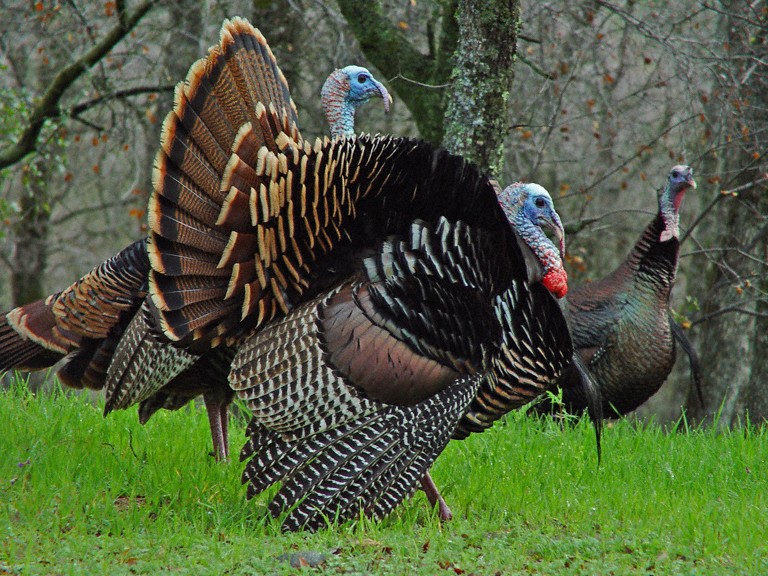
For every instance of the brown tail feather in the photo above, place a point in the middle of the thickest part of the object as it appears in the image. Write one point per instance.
(37, 322)
(87, 368)
(239, 84)
(21, 353)
(83, 321)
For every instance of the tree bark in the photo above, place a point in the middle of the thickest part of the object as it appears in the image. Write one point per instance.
(728, 340)
(735, 336)
(30, 232)
(476, 116)
(756, 399)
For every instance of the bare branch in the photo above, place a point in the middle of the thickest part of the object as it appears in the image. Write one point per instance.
(729, 250)
(75, 111)
(717, 199)
(48, 105)
(728, 310)
(90, 210)
(536, 69)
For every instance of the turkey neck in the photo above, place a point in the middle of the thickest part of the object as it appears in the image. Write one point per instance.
(339, 113)
(653, 260)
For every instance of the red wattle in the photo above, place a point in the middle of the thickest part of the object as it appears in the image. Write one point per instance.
(556, 281)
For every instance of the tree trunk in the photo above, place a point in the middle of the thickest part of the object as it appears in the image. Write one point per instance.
(756, 399)
(728, 343)
(476, 120)
(30, 232)
(735, 337)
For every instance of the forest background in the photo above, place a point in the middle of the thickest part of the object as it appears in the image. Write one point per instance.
(593, 99)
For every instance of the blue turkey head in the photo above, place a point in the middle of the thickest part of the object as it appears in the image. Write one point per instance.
(363, 86)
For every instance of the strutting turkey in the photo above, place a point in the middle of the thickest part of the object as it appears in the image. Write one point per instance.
(372, 289)
(622, 325)
(102, 312)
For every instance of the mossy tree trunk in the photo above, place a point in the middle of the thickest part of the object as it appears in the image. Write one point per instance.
(478, 106)
(471, 57)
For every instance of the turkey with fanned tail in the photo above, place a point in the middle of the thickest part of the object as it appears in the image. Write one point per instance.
(369, 285)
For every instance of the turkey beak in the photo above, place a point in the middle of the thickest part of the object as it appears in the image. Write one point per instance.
(691, 182)
(384, 96)
(556, 225)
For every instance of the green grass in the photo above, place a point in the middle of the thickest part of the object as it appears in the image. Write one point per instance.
(83, 494)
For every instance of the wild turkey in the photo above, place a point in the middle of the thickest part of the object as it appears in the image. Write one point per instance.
(133, 374)
(372, 288)
(102, 312)
(493, 401)
(622, 324)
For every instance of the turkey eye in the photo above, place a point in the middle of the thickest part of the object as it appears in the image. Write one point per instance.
(362, 78)
(675, 174)
(540, 202)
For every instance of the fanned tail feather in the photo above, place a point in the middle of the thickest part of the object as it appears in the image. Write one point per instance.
(236, 94)
(368, 465)
(143, 363)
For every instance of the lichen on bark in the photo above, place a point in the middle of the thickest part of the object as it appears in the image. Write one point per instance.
(481, 81)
